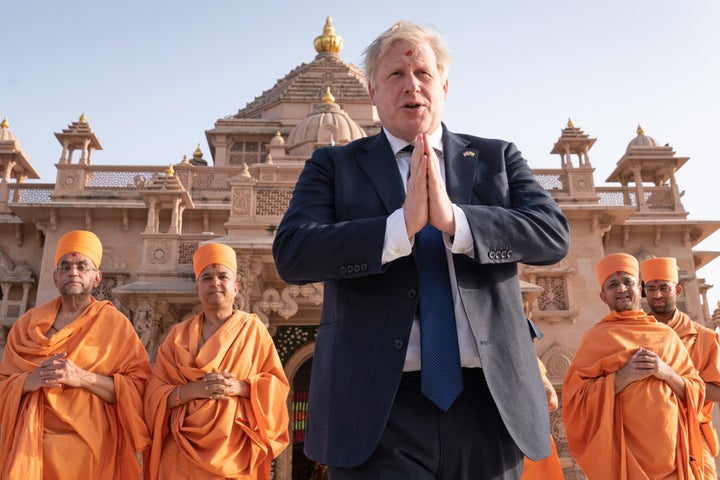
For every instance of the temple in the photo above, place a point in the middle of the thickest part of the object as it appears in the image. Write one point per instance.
(151, 219)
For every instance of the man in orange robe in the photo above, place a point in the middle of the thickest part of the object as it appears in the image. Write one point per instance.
(72, 380)
(631, 396)
(549, 468)
(216, 399)
(660, 277)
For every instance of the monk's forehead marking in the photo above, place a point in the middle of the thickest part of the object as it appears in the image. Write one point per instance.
(408, 53)
(73, 254)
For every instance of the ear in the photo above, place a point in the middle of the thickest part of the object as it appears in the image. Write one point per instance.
(371, 92)
(98, 278)
(445, 87)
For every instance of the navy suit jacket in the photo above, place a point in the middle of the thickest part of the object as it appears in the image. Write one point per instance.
(334, 231)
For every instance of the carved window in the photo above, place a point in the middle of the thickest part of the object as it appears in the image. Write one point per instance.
(554, 295)
(186, 250)
(248, 152)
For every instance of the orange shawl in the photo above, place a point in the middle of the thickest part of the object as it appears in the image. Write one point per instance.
(704, 347)
(644, 431)
(548, 468)
(221, 438)
(41, 428)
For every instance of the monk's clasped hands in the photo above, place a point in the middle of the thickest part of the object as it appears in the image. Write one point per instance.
(222, 385)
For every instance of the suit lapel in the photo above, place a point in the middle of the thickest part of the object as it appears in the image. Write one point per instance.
(380, 166)
(459, 167)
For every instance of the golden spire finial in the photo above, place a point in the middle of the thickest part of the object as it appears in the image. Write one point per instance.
(640, 130)
(197, 153)
(328, 41)
(328, 97)
(570, 124)
(83, 118)
(170, 171)
(5, 123)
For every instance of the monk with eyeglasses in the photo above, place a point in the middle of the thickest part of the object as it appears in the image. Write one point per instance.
(662, 290)
(631, 396)
(72, 380)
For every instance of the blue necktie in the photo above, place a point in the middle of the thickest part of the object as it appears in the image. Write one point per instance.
(441, 374)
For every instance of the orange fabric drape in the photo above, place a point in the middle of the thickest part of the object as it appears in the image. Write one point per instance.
(645, 431)
(212, 439)
(703, 345)
(54, 433)
(549, 468)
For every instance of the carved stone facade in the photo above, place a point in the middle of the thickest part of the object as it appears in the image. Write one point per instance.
(151, 220)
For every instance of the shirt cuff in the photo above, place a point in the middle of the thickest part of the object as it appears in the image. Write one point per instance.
(397, 244)
(462, 242)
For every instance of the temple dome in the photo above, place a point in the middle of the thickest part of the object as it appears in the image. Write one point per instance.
(5, 134)
(328, 124)
(641, 140)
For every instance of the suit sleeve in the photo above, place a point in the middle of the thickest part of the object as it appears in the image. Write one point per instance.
(511, 216)
(335, 225)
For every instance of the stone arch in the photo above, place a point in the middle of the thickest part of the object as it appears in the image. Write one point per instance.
(283, 464)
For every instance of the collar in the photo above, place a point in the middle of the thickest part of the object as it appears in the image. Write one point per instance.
(398, 144)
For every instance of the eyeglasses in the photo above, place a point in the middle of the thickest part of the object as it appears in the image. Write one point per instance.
(66, 268)
(627, 283)
(663, 289)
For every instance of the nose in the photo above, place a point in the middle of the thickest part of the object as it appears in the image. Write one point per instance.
(412, 84)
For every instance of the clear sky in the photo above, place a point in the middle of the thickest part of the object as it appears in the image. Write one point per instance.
(153, 75)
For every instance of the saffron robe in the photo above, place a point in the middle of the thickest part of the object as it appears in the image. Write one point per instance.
(548, 468)
(209, 439)
(645, 431)
(69, 432)
(704, 347)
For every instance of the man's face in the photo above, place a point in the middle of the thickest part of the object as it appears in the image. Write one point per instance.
(76, 274)
(408, 90)
(661, 296)
(621, 292)
(216, 287)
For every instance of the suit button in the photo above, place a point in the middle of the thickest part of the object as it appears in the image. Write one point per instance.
(363, 267)
(412, 293)
(510, 252)
(399, 344)
(504, 254)
(492, 255)
(343, 270)
(357, 269)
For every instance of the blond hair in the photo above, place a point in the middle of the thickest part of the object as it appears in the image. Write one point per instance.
(409, 32)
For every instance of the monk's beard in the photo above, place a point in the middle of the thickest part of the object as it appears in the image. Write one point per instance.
(662, 309)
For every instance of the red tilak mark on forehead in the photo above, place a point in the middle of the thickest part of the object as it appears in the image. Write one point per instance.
(214, 265)
(408, 53)
(74, 254)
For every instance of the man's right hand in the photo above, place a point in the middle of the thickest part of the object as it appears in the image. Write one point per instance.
(415, 208)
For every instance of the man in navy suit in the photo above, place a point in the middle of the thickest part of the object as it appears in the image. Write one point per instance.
(355, 221)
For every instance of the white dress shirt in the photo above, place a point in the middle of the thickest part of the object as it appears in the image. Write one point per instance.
(398, 244)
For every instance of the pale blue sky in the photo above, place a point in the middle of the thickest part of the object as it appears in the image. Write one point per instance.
(153, 75)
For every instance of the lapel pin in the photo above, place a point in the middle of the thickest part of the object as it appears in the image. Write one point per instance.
(468, 153)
